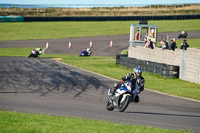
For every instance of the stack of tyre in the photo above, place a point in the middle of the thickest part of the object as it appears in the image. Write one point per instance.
(165, 70)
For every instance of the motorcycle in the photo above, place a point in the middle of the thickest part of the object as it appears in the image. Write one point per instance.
(122, 97)
(35, 53)
(87, 52)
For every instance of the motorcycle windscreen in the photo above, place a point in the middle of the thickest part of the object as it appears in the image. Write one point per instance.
(123, 88)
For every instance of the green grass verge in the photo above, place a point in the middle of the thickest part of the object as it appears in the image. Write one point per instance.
(15, 122)
(125, 51)
(15, 51)
(52, 30)
(106, 66)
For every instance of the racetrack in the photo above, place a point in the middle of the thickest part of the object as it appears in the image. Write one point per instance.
(47, 86)
(50, 87)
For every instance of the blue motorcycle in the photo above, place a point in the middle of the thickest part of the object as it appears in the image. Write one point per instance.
(86, 52)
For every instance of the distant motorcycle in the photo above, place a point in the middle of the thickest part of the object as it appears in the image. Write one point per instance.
(183, 34)
(122, 97)
(35, 53)
(86, 52)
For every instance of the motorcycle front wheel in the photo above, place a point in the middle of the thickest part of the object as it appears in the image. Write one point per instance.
(124, 104)
(109, 106)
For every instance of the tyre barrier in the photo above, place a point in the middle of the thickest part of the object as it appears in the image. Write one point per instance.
(165, 70)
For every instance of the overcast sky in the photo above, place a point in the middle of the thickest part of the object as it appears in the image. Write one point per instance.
(121, 2)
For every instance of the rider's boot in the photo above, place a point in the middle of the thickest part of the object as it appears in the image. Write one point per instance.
(115, 86)
(137, 99)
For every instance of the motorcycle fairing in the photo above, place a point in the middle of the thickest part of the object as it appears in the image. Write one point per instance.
(124, 97)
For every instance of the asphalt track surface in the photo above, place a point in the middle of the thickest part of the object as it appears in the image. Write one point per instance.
(50, 87)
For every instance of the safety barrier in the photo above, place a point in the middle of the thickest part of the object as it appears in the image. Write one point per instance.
(11, 19)
(165, 70)
(112, 18)
(96, 18)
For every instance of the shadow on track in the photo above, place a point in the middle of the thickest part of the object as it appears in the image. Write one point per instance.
(163, 114)
(43, 76)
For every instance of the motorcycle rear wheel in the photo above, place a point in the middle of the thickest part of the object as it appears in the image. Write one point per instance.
(124, 105)
(109, 106)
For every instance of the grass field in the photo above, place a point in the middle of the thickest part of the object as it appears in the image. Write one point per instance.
(15, 122)
(52, 30)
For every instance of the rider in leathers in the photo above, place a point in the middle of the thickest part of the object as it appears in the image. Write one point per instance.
(136, 79)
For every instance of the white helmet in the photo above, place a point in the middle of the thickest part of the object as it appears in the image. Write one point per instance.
(88, 49)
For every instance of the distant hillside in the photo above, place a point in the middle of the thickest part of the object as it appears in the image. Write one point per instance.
(12, 10)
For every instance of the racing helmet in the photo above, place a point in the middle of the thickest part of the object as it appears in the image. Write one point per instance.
(137, 71)
(88, 49)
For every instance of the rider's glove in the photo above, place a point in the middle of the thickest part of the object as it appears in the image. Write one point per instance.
(122, 82)
(115, 85)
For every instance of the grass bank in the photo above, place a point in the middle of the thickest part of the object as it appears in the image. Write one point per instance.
(108, 65)
(53, 30)
(20, 122)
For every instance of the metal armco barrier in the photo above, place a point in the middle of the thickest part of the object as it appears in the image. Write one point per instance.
(165, 70)
(112, 18)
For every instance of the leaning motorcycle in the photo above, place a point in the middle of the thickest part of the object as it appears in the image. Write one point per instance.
(34, 54)
(122, 97)
(85, 53)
